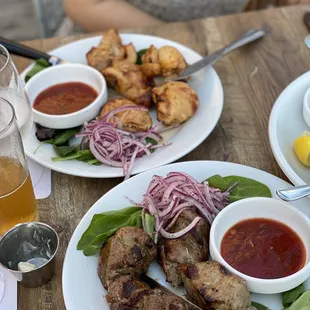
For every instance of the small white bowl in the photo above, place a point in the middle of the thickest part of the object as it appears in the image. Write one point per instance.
(262, 208)
(66, 73)
(306, 107)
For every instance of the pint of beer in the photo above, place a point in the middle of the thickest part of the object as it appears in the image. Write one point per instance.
(17, 201)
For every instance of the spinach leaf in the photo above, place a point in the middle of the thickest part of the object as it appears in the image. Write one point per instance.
(140, 54)
(94, 162)
(73, 155)
(64, 150)
(104, 225)
(245, 187)
(290, 296)
(149, 224)
(39, 65)
(64, 137)
(86, 156)
(259, 306)
(152, 141)
(302, 303)
(218, 182)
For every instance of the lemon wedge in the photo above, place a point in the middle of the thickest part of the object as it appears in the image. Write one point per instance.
(302, 148)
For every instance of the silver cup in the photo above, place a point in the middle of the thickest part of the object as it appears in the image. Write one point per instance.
(34, 243)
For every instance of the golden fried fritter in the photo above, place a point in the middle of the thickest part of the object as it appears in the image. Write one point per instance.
(175, 102)
(131, 120)
(109, 51)
(150, 62)
(130, 56)
(130, 82)
(166, 61)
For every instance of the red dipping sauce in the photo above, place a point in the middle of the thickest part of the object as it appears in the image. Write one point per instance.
(263, 248)
(65, 98)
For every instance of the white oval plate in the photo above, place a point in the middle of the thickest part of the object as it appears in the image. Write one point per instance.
(286, 123)
(184, 139)
(82, 288)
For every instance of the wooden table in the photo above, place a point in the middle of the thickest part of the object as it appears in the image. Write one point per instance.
(252, 77)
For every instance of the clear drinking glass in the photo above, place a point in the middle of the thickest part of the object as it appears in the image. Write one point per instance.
(17, 201)
(12, 89)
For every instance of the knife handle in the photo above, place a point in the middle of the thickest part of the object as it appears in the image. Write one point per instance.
(23, 50)
(248, 37)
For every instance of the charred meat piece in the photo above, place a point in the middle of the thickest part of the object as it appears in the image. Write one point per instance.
(166, 61)
(129, 81)
(124, 289)
(210, 286)
(190, 248)
(175, 102)
(110, 51)
(128, 293)
(129, 251)
(131, 120)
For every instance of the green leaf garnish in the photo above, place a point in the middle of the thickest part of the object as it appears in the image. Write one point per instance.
(140, 54)
(39, 65)
(104, 225)
(290, 296)
(245, 187)
(64, 137)
(302, 303)
(259, 306)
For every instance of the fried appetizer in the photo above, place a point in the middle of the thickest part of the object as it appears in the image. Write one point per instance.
(166, 61)
(129, 251)
(110, 51)
(150, 62)
(190, 248)
(129, 293)
(130, 82)
(210, 286)
(175, 102)
(131, 120)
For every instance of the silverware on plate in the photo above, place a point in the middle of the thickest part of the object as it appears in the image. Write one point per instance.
(249, 36)
(294, 193)
(154, 284)
(19, 49)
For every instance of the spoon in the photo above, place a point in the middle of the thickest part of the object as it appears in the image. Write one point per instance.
(294, 193)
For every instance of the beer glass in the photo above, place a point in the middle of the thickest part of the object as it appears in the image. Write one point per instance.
(12, 89)
(17, 201)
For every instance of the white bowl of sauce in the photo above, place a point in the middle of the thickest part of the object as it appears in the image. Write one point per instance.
(66, 96)
(264, 241)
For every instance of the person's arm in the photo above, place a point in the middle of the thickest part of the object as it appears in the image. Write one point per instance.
(98, 15)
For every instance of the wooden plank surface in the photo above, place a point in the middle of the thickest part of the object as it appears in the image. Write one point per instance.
(252, 77)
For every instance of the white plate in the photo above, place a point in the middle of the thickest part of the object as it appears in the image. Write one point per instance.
(286, 123)
(82, 288)
(184, 139)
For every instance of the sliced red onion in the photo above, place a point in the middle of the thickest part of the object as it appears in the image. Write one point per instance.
(168, 197)
(182, 232)
(116, 147)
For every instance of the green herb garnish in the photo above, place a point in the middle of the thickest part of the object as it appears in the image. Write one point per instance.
(104, 225)
(140, 54)
(39, 65)
(64, 137)
(302, 303)
(258, 306)
(292, 295)
(244, 188)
